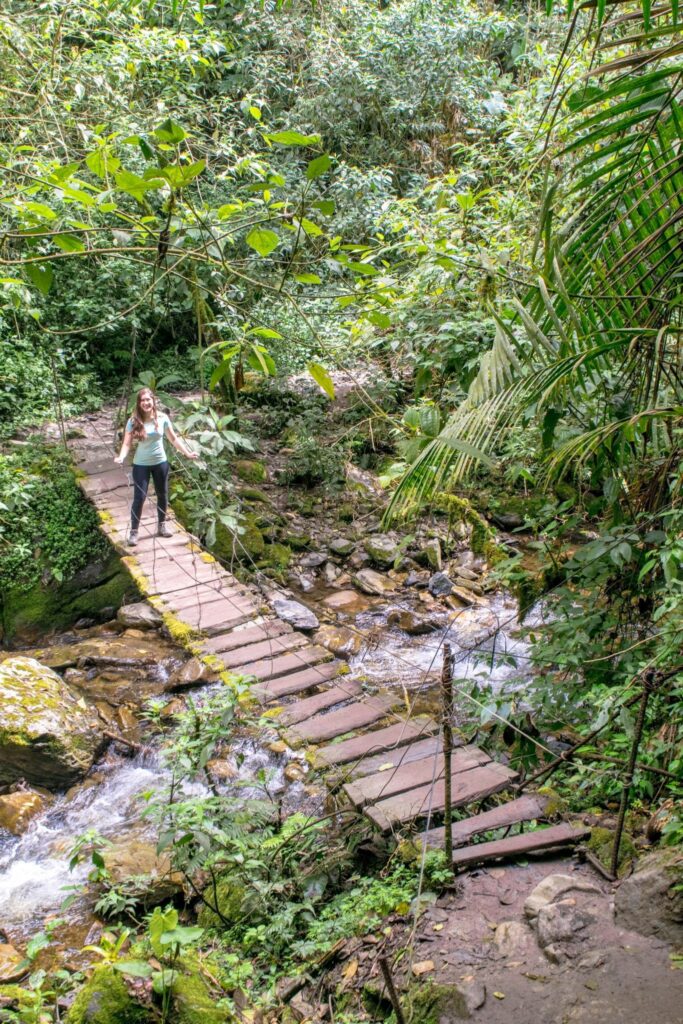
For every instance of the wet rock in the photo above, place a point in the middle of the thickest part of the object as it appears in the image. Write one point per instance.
(46, 736)
(340, 640)
(412, 623)
(382, 549)
(11, 962)
(295, 613)
(342, 546)
(361, 481)
(313, 560)
(439, 585)
(507, 520)
(552, 887)
(17, 809)
(128, 723)
(371, 582)
(465, 573)
(126, 686)
(139, 616)
(469, 585)
(220, 770)
(650, 901)
(348, 601)
(191, 673)
(294, 772)
(148, 876)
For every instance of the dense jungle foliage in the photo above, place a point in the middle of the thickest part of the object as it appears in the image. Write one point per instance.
(477, 203)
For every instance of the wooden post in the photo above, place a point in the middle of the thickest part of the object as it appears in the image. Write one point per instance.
(446, 714)
(391, 989)
(648, 685)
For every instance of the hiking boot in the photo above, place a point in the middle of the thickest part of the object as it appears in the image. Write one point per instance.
(132, 538)
(164, 530)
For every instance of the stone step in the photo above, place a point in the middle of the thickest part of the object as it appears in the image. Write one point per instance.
(515, 846)
(418, 773)
(388, 738)
(467, 787)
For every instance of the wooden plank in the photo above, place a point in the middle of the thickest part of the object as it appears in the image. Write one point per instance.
(468, 786)
(104, 482)
(393, 759)
(303, 709)
(242, 637)
(271, 668)
(297, 682)
(388, 738)
(410, 776)
(524, 808)
(514, 846)
(222, 618)
(264, 649)
(355, 716)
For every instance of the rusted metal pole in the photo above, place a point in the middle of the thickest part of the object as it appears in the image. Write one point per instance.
(391, 989)
(648, 685)
(446, 716)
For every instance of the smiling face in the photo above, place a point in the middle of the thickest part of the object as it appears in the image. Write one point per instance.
(145, 404)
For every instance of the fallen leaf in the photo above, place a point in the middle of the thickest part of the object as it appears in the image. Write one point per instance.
(386, 767)
(350, 970)
(496, 872)
(592, 985)
(437, 927)
(423, 967)
(499, 995)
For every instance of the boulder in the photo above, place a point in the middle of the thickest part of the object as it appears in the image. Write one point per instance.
(551, 888)
(439, 585)
(251, 471)
(296, 539)
(444, 1003)
(342, 546)
(331, 573)
(46, 735)
(17, 810)
(382, 549)
(295, 613)
(431, 556)
(371, 582)
(104, 999)
(465, 573)
(510, 938)
(417, 579)
(147, 876)
(650, 901)
(560, 922)
(139, 616)
(340, 640)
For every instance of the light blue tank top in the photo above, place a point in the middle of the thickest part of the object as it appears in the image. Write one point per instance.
(151, 452)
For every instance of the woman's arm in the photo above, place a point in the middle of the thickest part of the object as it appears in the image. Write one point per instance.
(125, 446)
(178, 442)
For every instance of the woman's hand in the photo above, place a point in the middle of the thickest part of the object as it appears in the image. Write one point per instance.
(119, 459)
(191, 455)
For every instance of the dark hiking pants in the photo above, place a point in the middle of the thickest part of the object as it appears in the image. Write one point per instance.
(141, 475)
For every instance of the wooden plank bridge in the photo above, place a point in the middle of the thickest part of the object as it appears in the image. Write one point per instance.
(388, 766)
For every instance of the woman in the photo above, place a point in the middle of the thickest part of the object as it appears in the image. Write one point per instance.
(146, 429)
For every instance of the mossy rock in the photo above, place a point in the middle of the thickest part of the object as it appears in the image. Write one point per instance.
(297, 540)
(27, 614)
(246, 546)
(228, 897)
(431, 1003)
(251, 471)
(193, 1003)
(104, 999)
(346, 512)
(17, 998)
(253, 494)
(278, 556)
(601, 843)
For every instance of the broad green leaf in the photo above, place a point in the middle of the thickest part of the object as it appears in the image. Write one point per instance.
(102, 162)
(322, 378)
(170, 131)
(311, 229)
(135, 186)
(255, 113)
(291, 138)
(326, 206)
(69, 243)
(134, 968)
(39, 210)
(260, 361)
(264, 332)
(318, 166)
(378, 319)
(40, 274)
(179, 175)
(219, 373)
(262, 241)
(307, 278)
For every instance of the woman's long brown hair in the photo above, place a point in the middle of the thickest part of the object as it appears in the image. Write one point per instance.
(138, 432)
